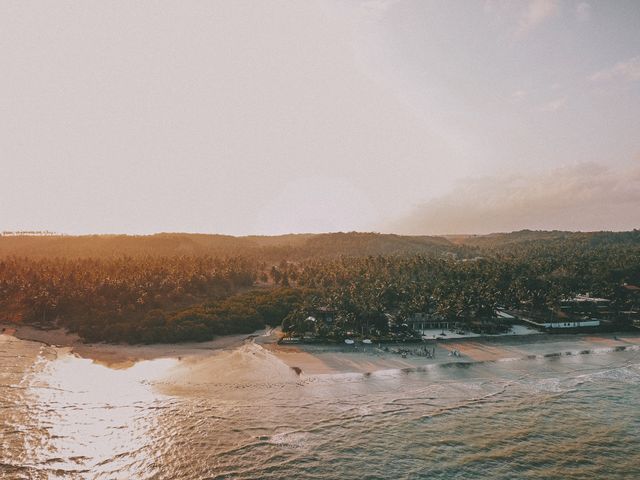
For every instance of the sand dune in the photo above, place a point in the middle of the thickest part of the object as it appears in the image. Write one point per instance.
(247, 365)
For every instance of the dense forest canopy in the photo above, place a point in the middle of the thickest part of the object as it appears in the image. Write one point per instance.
(182, 287)
(291, 247)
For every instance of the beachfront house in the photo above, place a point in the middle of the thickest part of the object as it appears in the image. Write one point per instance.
(319, 322)
(326, 315)
(585, 306)
(423, 322)
(587, 323)
(431, 323)
(580, 312)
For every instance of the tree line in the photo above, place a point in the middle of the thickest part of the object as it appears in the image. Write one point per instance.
(170, 298)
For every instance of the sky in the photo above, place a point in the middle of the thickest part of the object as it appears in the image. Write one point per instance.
(242, 117)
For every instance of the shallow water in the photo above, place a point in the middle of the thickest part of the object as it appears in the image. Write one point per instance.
(569, 416)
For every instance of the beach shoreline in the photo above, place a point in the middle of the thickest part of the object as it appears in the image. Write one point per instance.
(322, 359)
(314, 359)
(120, 355)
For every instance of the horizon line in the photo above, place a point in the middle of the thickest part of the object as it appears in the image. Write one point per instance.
(47, 233)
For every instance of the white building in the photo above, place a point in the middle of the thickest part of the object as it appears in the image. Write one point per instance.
(572, 324)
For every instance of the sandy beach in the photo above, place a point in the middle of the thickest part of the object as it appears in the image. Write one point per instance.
(326, 359)
(256, 357)
(120, 356)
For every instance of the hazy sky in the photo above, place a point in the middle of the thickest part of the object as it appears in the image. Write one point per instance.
(246, 117)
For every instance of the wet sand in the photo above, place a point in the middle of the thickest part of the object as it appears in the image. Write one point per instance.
(56, 336)
(261, 349)
(120, 355)
(325, 359)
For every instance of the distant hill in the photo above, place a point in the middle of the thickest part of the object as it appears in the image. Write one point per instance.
(293, 247)
(290, 247)
(498, 240)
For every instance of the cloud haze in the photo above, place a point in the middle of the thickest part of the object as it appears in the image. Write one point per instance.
(536, 13)
(583, 12)
(244, 117)
(627, 70)
(582, 197)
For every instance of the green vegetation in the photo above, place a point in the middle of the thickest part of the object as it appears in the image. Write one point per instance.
(178, 287)
(276, 248)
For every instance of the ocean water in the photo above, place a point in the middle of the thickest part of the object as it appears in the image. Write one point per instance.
(558, 417)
